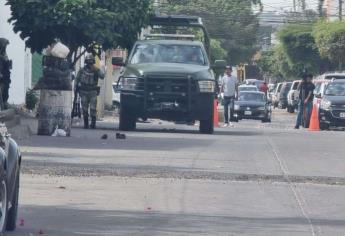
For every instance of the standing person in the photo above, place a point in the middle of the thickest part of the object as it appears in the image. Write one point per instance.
(306, 97)
(87, 86)
(230, 89)
(5, 73)
(264, 88)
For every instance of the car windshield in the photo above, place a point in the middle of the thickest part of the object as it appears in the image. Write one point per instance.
(295, 86)
(162, 53)
(252, 97)
(247, 88)
(335, 89)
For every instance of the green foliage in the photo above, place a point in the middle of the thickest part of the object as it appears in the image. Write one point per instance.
(299, 46)
(232, 22)
(217, 52)
(109, 23)
(31, 99)
(330, 40)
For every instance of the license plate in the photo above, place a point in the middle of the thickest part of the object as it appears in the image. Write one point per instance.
(342, 114)
(248, 113)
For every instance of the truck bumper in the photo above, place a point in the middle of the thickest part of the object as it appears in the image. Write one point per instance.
(168, 106)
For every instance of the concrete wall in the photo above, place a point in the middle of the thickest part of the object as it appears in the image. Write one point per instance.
(21, 72)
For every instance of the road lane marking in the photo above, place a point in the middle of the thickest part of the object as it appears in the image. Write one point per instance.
(301, 202)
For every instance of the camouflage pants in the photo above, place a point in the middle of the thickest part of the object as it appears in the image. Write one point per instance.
(89, 100)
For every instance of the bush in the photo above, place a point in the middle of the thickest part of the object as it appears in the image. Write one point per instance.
(31, 99)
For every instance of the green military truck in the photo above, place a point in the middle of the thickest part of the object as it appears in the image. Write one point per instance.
(168, 77)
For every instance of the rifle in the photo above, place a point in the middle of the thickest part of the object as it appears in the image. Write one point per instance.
(76, 110)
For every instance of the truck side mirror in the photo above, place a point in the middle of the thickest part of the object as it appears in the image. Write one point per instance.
(117, 61)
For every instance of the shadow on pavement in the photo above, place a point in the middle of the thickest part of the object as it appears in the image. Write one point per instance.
(56, 221)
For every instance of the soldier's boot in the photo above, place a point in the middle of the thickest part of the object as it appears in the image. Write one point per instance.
(86, 122)
(93, 122)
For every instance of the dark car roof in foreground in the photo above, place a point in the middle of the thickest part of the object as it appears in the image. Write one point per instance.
(256, 92)
(171, 42)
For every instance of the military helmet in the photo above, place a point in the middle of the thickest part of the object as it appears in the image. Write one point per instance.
(90, 59)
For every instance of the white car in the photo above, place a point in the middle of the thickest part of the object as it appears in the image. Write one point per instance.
(331, 76)
(247, 88)
(293, 97)
(275, 95)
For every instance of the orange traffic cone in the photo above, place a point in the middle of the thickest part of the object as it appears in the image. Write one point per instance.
(215, 114)
(314, 120)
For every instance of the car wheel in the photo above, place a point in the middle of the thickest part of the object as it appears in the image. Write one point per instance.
(127, 120)
(290, 109)
(3, 203)
(12, 213)
(116, 108)
(206, 126)
(324, 126)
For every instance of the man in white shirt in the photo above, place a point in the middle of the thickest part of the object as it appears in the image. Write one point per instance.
(230, 90)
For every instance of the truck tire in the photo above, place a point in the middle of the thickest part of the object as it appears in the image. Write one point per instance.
(206, 126)
(127, 120)
(12, 213)
(4, 202)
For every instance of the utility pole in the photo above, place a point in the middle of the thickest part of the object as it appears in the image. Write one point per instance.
(340, 9)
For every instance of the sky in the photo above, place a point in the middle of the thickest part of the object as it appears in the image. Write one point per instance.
(285, 5)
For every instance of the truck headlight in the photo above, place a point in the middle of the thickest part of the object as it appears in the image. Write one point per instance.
(325, 104)
(262, 108)
(129, 83)
(237, 107)
(206, 86)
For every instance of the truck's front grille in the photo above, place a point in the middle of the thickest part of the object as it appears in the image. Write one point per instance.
(174, 91)
(169, 84)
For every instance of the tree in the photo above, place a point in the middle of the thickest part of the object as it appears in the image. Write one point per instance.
(217, 52)
(109, 23)
(298, 44)
(232, 22)
(330, 40)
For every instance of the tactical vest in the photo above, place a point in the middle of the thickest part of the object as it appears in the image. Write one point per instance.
(88, 80)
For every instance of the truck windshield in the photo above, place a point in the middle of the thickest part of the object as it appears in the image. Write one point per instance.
(162, 53)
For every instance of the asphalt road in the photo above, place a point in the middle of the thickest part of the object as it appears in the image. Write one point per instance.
(166, 179)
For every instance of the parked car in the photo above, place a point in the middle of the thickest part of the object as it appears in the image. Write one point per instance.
(10, 160)
(275, 95)
(292, 97)
(254, 82)
(282, 96)
(332, 106)
(320, 87)
(331, 76)
(254, 106)
(244, 87)
(271, 89)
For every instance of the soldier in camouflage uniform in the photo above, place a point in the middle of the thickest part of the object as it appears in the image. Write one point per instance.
(87, 87)
(5, 73)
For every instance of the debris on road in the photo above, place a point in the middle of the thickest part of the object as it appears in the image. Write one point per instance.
(120, 136)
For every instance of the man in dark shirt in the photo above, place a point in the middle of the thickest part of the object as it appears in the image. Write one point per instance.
(306, 97)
